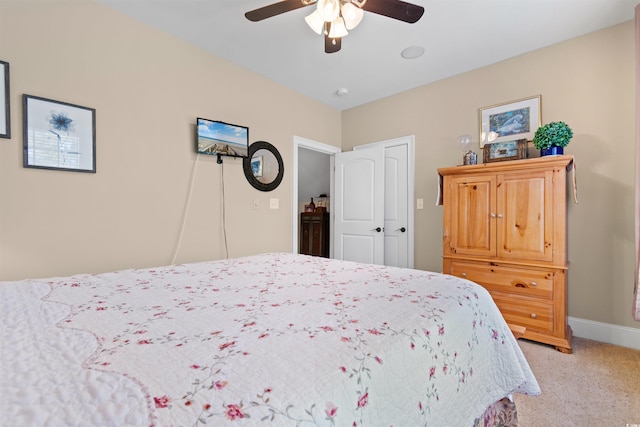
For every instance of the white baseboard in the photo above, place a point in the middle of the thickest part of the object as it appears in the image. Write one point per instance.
(605, 332)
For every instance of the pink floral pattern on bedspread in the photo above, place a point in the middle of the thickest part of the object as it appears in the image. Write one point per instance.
(290, 340)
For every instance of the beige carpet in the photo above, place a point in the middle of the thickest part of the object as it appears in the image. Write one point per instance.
(596, 386)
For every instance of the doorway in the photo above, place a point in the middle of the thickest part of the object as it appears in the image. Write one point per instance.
(317, 150)
(330, 151)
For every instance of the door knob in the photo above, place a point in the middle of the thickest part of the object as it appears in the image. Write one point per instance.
(402, 229)
(377, 229)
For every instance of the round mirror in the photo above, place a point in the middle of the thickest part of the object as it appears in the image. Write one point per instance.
(263, 167)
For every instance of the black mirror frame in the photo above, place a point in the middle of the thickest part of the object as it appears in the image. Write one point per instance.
(248, 173)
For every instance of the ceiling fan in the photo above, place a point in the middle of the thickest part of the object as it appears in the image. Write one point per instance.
(334, 18)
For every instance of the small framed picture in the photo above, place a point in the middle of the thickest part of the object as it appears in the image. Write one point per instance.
(509, 121)
(501, 151)
(5, 112)
(59, 135)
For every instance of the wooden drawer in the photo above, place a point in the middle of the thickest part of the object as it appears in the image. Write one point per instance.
(516, 280)
(534, 314)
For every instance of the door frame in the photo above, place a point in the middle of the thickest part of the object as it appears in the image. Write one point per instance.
(300, 142)
(409, 140)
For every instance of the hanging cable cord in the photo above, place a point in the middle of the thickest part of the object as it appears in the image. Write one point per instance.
(186, 211)
(224, 212)
(188, 203)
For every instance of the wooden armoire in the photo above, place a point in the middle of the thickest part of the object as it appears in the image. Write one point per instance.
(314, 233)
(505, 228)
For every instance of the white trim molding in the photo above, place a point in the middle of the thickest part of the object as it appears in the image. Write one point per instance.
(623, 336)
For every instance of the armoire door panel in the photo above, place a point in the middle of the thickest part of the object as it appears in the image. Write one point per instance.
(473, 201)
(524, 218)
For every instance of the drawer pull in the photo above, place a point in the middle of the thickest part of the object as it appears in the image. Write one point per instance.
(534, 284)
(464, 274)
(518, 284)
(533, 315)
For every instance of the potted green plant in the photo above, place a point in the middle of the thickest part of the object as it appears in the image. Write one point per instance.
(551, 138)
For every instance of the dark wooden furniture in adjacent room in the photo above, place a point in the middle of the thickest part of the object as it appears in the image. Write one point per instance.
(314, 233)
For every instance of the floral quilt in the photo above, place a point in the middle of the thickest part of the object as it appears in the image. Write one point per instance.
(266, 340)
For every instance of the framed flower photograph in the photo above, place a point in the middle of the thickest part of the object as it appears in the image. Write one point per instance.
(5, 115)
(510, 121)
(59, 135)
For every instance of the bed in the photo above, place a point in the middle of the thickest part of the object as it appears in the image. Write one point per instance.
(266, 340)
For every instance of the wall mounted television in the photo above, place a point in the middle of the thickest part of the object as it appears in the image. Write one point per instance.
(222, 139)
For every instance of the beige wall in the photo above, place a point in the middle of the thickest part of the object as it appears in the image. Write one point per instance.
(147, 88)
(587, 82)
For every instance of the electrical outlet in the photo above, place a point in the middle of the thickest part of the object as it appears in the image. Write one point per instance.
(420, 204)
(255, 204)
(274, 203)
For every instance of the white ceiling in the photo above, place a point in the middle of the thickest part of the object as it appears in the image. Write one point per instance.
(457, 35)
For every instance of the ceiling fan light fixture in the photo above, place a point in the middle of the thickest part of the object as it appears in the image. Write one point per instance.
(328, 9)
(352, 15)
(338, 29)
(335, 18)
(315, 22)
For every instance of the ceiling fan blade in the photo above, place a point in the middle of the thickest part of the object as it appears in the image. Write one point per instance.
(332, 45)
(396, 9)
(275, 9)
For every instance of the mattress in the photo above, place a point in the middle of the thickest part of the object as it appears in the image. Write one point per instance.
(269, 340)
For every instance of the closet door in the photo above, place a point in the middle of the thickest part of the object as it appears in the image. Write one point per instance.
(396, 201)
(359, 206)
(396, 193)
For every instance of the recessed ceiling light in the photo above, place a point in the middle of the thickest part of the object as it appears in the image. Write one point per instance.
(342, 92)
(412, 52)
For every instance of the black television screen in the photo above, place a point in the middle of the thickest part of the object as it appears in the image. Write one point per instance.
(220, 138)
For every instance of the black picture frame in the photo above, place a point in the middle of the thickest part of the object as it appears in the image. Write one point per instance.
(59, 135)
(5, 107)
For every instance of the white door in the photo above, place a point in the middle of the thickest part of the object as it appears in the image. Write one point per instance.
(397, 209)
(359, 206)
(396, 242)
